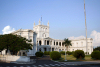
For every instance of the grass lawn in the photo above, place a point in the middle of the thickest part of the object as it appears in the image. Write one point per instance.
(72, 58)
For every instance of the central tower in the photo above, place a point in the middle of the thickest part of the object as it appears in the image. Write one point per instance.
(41, 30)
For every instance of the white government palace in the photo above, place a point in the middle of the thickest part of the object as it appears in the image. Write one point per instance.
(42, 42)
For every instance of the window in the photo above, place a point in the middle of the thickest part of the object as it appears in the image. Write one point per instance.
(82, 43)
(59, 43)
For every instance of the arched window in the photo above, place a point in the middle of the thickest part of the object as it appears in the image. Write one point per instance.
(43, 35)
(40, 42)
(46, 29)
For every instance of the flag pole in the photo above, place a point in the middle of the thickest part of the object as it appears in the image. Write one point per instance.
(85, 28)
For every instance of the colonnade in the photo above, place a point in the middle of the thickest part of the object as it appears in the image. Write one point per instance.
(50, 42)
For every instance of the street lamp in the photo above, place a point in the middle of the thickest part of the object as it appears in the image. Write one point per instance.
(65, 54)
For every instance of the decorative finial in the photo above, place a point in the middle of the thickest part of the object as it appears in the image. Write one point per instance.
(48, 23)
(34, 23)
(39, 22)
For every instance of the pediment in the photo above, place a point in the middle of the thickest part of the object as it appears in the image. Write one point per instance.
(48, 38)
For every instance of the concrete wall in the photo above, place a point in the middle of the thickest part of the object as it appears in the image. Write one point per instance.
(15, 58)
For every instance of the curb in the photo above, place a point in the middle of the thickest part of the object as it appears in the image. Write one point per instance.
(76, 63)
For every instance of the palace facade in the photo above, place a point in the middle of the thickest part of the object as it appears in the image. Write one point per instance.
(42, 42)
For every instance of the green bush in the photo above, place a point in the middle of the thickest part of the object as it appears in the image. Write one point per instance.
(69, 53)
(73, 52)
(39, 54)
(79, 54)
(55, 55)
(95, 54)
(62, 52)
(47, 53)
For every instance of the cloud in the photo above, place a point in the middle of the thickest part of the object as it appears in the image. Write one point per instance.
(73, 38)
(7, 30)
(96, 38)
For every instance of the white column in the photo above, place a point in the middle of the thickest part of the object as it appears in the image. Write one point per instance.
(52, 42)
(58, 43)
(42, 41)
(46, 42)
(61, 45)
(38, 45)
(38, 42)
(51, 48)
(49, 42)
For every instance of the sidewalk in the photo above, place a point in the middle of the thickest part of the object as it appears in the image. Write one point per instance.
(47, 60)
(81, 63)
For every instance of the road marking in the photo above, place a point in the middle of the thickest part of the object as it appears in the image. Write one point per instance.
(15, 66)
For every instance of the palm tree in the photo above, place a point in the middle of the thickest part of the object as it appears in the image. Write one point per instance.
(66, 43)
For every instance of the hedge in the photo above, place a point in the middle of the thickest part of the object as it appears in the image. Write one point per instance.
(39, 54)
(79, 54)
(55, 55)
(95, 54)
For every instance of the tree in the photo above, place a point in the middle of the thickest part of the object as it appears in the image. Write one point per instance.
(2, 46)
(97, 48)
(14, 43)
(66, 43)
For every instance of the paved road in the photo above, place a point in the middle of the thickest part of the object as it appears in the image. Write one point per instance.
(43, 65)
(44, 62)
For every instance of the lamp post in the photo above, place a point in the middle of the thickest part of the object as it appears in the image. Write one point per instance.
(65, 54)
(85, 28)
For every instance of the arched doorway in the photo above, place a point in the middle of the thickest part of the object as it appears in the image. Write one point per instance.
(44, 49)
(47, 42)
(40, 42)
(40, 49)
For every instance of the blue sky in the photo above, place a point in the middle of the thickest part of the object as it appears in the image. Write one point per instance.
(66, 17)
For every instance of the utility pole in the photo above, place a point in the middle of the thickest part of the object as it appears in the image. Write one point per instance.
(85, 28)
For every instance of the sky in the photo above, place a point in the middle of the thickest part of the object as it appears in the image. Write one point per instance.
(66, 17)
